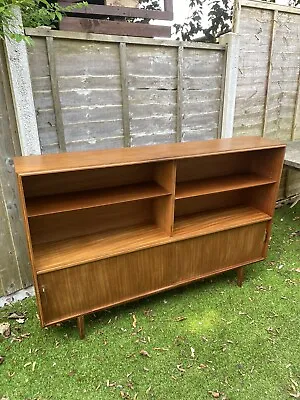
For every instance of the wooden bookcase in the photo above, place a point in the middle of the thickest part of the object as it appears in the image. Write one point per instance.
(106, 227)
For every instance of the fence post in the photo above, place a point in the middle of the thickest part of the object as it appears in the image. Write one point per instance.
(232, 42)
(19, 76)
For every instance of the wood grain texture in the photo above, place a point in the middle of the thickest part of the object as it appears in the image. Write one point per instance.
(77, 24)
(83, 249)
(266, 101)
(82, 180)
(111, 216)
(217, 185)
(87, 288)
(90, 220)
(128, 12)
(92, 198)
(75, 161)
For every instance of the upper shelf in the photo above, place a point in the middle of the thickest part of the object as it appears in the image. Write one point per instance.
(219, 184)
(74, 161)
(54, 204)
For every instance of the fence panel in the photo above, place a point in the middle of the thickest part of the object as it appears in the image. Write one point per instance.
(96, 91)
(268, 90)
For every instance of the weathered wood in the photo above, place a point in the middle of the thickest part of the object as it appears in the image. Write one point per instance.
(292, 155)
(179, 111)
(128, 12)
(168, 6)
(88, 25)
(269, 6)
(14, 264)
(125, 102)
(269, 74)
(296, 118)
(292, 182)
(59, 123)
(122, 3)
(42, 32)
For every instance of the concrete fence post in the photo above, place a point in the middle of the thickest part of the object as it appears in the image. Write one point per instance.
(19, 76)
(232, 42)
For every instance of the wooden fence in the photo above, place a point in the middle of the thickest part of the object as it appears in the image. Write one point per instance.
(268, 86)
(14, 263)
(94, 91)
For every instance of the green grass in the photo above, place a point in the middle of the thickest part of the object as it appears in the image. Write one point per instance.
(245, 340)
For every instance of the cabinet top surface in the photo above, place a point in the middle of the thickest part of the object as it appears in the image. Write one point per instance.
(51, 163)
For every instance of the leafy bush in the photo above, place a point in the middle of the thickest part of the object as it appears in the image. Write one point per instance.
(34, 13)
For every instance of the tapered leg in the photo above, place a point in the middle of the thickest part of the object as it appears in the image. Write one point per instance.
(80, 325)
(240, 276)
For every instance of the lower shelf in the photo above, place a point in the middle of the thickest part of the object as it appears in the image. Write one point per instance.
(208, 222)
(66, 253)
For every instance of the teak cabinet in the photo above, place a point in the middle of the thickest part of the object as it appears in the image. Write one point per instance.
(106, 227)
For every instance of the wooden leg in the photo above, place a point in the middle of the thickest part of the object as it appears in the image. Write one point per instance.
(240, 276)
(80, 325)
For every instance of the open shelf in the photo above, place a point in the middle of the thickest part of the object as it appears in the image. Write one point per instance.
(219, 184)
(80, 250)
(208, 222)
(69, 252)
(59, 203)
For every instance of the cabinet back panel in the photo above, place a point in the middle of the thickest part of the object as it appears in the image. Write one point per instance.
(101, 284)
(198, 204)
(211, 166)
(66, 182)
(267, 163)
(61, 226)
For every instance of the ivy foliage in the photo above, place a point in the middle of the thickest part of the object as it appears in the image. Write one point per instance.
(219, 18)
(34, 13)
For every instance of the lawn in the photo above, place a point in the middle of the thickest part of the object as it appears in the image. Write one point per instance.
(207, 340)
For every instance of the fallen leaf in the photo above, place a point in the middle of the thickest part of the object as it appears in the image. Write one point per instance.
(16, 315)
(179, 367)
(110, 384)
(5, 329)
(20, 320)
(2, 358)
(295, 395)
(144, 353)
(215, 395)
(27, 364)
(160, 349)
(148, 390)
(33, 366)
(124, 395)
(192, 352)
(201, 366)
(178, 319)
(134, 321)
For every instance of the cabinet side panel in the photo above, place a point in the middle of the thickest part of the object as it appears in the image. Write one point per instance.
(90, 287)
